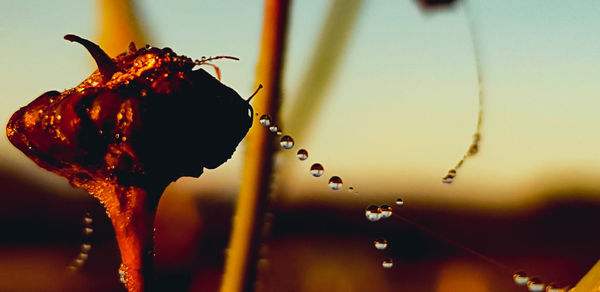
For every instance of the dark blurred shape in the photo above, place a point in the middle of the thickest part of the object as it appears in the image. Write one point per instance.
(145, 118)
(435, 4)
(313, 245)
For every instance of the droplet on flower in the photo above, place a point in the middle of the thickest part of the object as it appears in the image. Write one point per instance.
(122, 274)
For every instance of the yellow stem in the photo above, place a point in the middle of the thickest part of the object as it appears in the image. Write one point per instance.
(242, 255)
(119, 25)
(323, 64)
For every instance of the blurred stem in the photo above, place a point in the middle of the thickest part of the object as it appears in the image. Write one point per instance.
(323, 64)
(119, 25)
(591, 280)
(242, 255)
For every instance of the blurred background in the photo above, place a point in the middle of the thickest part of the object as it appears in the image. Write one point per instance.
(396, 109)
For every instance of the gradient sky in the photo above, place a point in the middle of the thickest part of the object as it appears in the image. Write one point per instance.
(401, 109)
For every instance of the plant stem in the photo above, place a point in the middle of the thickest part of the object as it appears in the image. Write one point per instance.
(242, 255)
(323, 64)
(131, 211)
(119, 24)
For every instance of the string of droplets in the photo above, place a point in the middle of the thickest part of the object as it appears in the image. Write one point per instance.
(474, 146)
(375, 213)
(86, 246)
(287, 142)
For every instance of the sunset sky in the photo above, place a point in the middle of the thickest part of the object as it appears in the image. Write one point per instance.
(402, 107)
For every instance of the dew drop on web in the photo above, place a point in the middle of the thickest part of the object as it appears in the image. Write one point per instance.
(399, 202)
(286, 142)
(554, 288)
(87, 231)
(335, 183)
(380, 243)
(274, 128)
(265, 120)
(449, 178)
(86, 247)
(387, 263)
(535, 285)
(520, 278)
(302, 154)
(386, 211)
(87, 219)
(316, 170)
(373, 213)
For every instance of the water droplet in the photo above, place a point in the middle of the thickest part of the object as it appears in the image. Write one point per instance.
(86, 247)
(520, 278)
(535, 285)
(265, 120)
(317, 170)
(554, 288)
(381, 244)
(373, 213)
(87, 231)
(449, 178)
(83, 256)
(286, 142)
(386, 211)
(273, 128)
(387, 263)
(335, 183)
(399, 202)
(87, 220)
(122, 274)
(302, 154)
(279, 133)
